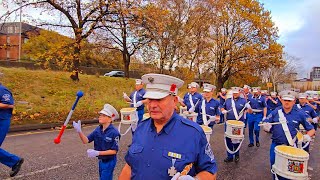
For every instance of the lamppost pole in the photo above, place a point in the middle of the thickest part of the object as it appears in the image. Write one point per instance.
(20, 24)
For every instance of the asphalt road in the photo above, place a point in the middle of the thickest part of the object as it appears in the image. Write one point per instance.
(45, 160)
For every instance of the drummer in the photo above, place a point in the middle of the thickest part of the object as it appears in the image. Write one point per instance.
(136, 98)
(166, 143)
(294, 117)
(234, 108)
(209, 107)
(192, 98)
(256, 115)
(309, 111)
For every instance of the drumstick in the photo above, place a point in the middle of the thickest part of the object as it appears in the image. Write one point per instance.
(262, 124)
(186, 169)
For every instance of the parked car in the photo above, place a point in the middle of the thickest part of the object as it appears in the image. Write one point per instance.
(114, 74)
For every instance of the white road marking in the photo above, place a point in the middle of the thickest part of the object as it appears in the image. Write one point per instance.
(37, 172)
(41, 132)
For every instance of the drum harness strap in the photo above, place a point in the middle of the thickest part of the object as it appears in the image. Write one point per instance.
(190, 99)
(283, 121)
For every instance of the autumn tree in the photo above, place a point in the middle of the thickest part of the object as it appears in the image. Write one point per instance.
(243, 39)
(82, 17)
(123, 30)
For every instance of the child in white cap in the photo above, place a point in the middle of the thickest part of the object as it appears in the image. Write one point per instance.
(106, 141)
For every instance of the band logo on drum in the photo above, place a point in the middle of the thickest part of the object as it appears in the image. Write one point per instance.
(126, 117)
(295, 166)
(236, 131)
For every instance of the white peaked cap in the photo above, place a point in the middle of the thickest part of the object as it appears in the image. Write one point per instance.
(138, 81)
(235, 89)
(159, 86)
(288, 95)
(110, 111)
(256, 89)
(246, 87)
(273, 93)
(194, 84)
(303, 95)
(208, 87)
(223, 89)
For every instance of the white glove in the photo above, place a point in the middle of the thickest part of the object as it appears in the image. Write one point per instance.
(192, 109)
(125, 96)
(315, 120)
(264, 118)
(92, 153)
(267, 127)
(224, 112)
(138, 104)
(248, 106)
(306, 138)
(185, 177)
(77, 126)
(180, 100)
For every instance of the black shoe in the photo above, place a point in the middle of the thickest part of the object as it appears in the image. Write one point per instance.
(250, 145)
(16, 168)
(258, 144)
(228, 160)
(236, 159)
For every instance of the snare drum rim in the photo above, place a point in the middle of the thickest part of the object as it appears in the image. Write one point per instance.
(300, 155)
(237, 123)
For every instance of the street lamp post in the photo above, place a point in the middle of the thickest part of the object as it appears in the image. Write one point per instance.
(20, 32)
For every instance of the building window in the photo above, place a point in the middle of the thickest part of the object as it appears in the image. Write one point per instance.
(17, 29)
(8, 40)
(10, 29)
(8, 54)
(25, 40)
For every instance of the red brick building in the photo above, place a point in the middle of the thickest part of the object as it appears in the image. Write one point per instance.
(9, 39)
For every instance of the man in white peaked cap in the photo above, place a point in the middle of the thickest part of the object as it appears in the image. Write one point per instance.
(287, 117)
(136, 98)
(257, 114)
(184, 140)
(234, 109)
(192, 98)
(209, 112)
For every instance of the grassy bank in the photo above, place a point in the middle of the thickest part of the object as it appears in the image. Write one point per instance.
(47, 96)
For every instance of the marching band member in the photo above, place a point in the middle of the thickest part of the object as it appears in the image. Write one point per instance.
(106, 141)
(272, 102)
(192, 98)
(234, 108)
(209, 107)
(136, 98)
(166, 143)
(222, 98)
(310, 113)
(291, 117)
(6, 107)
(256, 115)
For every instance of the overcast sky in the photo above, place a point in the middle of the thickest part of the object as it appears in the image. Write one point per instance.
(299, 29)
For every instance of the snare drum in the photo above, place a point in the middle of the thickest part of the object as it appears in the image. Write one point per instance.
(190, 115)
(291, 162)
(234, 129)
(128, 115)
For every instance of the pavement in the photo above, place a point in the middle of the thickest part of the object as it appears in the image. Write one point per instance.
(68, 160)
